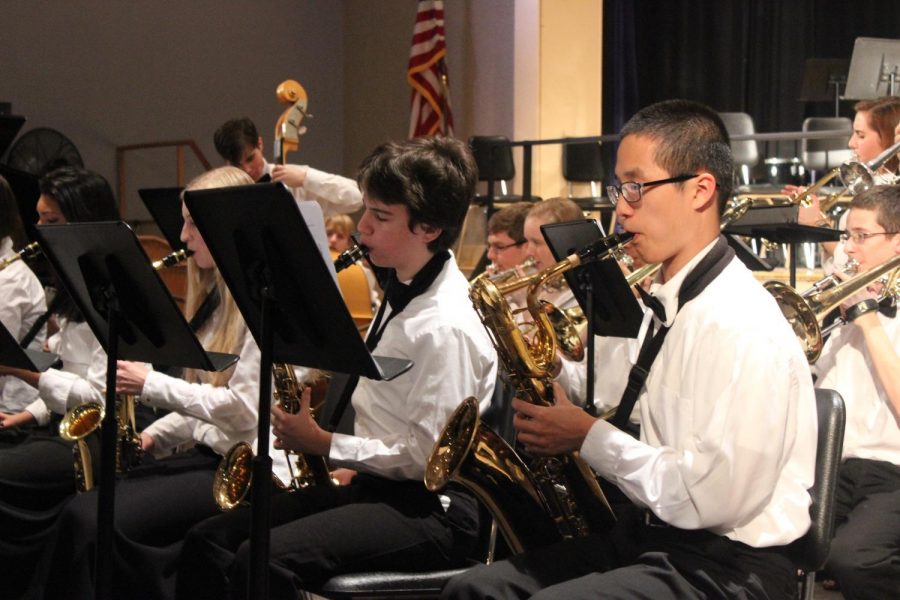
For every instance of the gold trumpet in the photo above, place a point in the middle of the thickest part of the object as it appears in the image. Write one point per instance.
(29, 251)
(85, 419)
(806, 312)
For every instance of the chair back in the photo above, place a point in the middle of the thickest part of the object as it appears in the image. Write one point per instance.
(810, 551)
(493, 156)
(822, 155)
(745, 152)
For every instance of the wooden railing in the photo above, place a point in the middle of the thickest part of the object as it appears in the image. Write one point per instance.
(179, 146)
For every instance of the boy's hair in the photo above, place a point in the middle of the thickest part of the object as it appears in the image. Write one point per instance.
(233, 137)
(343, 224)
(433, 177)
(689, 137)
(83, 196)
(510, 220)
(10, 219)
(884, 200)
(556, 210)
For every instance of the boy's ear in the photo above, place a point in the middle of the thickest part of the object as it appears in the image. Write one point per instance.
(430, 231)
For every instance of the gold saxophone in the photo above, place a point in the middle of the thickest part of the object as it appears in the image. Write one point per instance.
(234, 474)
(82, 423)
(549, 498)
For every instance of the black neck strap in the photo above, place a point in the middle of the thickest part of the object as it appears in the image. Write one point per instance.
(709, 267)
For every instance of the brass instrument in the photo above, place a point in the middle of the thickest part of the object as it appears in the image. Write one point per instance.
(859, 177)
(550, 498)
(805, 313)
(85, 419)
(527, 267)
(234, 475)
(29, 251)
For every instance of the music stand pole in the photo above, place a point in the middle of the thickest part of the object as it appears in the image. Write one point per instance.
(106, 500)
(262, 462)
(587, 287)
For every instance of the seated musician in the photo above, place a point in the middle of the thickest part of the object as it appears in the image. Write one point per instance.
(208, 413)
(552, 210)
(416, 194)
(507, 247)
(339, 229)
(873, 132)
(238, 142)
(37, 476)
(861, 360)
(23, 305)
(719, 476)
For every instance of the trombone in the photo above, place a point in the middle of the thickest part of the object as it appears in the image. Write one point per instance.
(805, 313)
(859, 177)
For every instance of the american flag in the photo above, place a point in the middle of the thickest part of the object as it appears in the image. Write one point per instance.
(430, 112)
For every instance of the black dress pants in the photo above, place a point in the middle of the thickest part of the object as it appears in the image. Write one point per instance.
(865, 551)
(635, 560)
(371, 524)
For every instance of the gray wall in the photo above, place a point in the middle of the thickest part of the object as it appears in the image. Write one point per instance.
(107, 74)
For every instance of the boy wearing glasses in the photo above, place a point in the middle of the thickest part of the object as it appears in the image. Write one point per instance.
(506, 244)
(861, 360)
(719, 476)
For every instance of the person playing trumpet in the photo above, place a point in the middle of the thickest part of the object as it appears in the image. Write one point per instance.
(861, 360)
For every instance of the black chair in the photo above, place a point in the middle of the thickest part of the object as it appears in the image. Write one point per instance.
(493, 156)
(810, 551)
(402, 584)
(583, 163)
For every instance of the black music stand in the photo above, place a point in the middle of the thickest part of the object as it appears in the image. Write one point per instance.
(164, 205)
(822, 80)
(112, 281)
(9, 129)
(286, 289)
(599, 287)
(779, 224)
(13, 355)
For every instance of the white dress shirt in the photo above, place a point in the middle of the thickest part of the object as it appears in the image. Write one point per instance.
(82, 377)
(845, 366)
(23, 303)
(334, 193)
(217, 417)
(397, 422)
(728, 418)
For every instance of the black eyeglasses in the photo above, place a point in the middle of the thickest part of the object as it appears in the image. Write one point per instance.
(502, 247)
(860, 237)
(632, 191)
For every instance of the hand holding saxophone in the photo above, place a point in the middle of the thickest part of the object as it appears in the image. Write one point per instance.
(300, 432)
(555, 429)
(130, 377)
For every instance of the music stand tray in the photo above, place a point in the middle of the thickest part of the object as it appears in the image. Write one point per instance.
(13, 355)
(616, 312)
(164, 205)
(779, 224)
(259, 239)
(95, 260)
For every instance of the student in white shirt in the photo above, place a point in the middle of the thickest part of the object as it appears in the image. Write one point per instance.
(37, 476)
(207, 414)
(23, 299)
(416, 196)
(238, 142)
(861, 360)
(719, 476)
